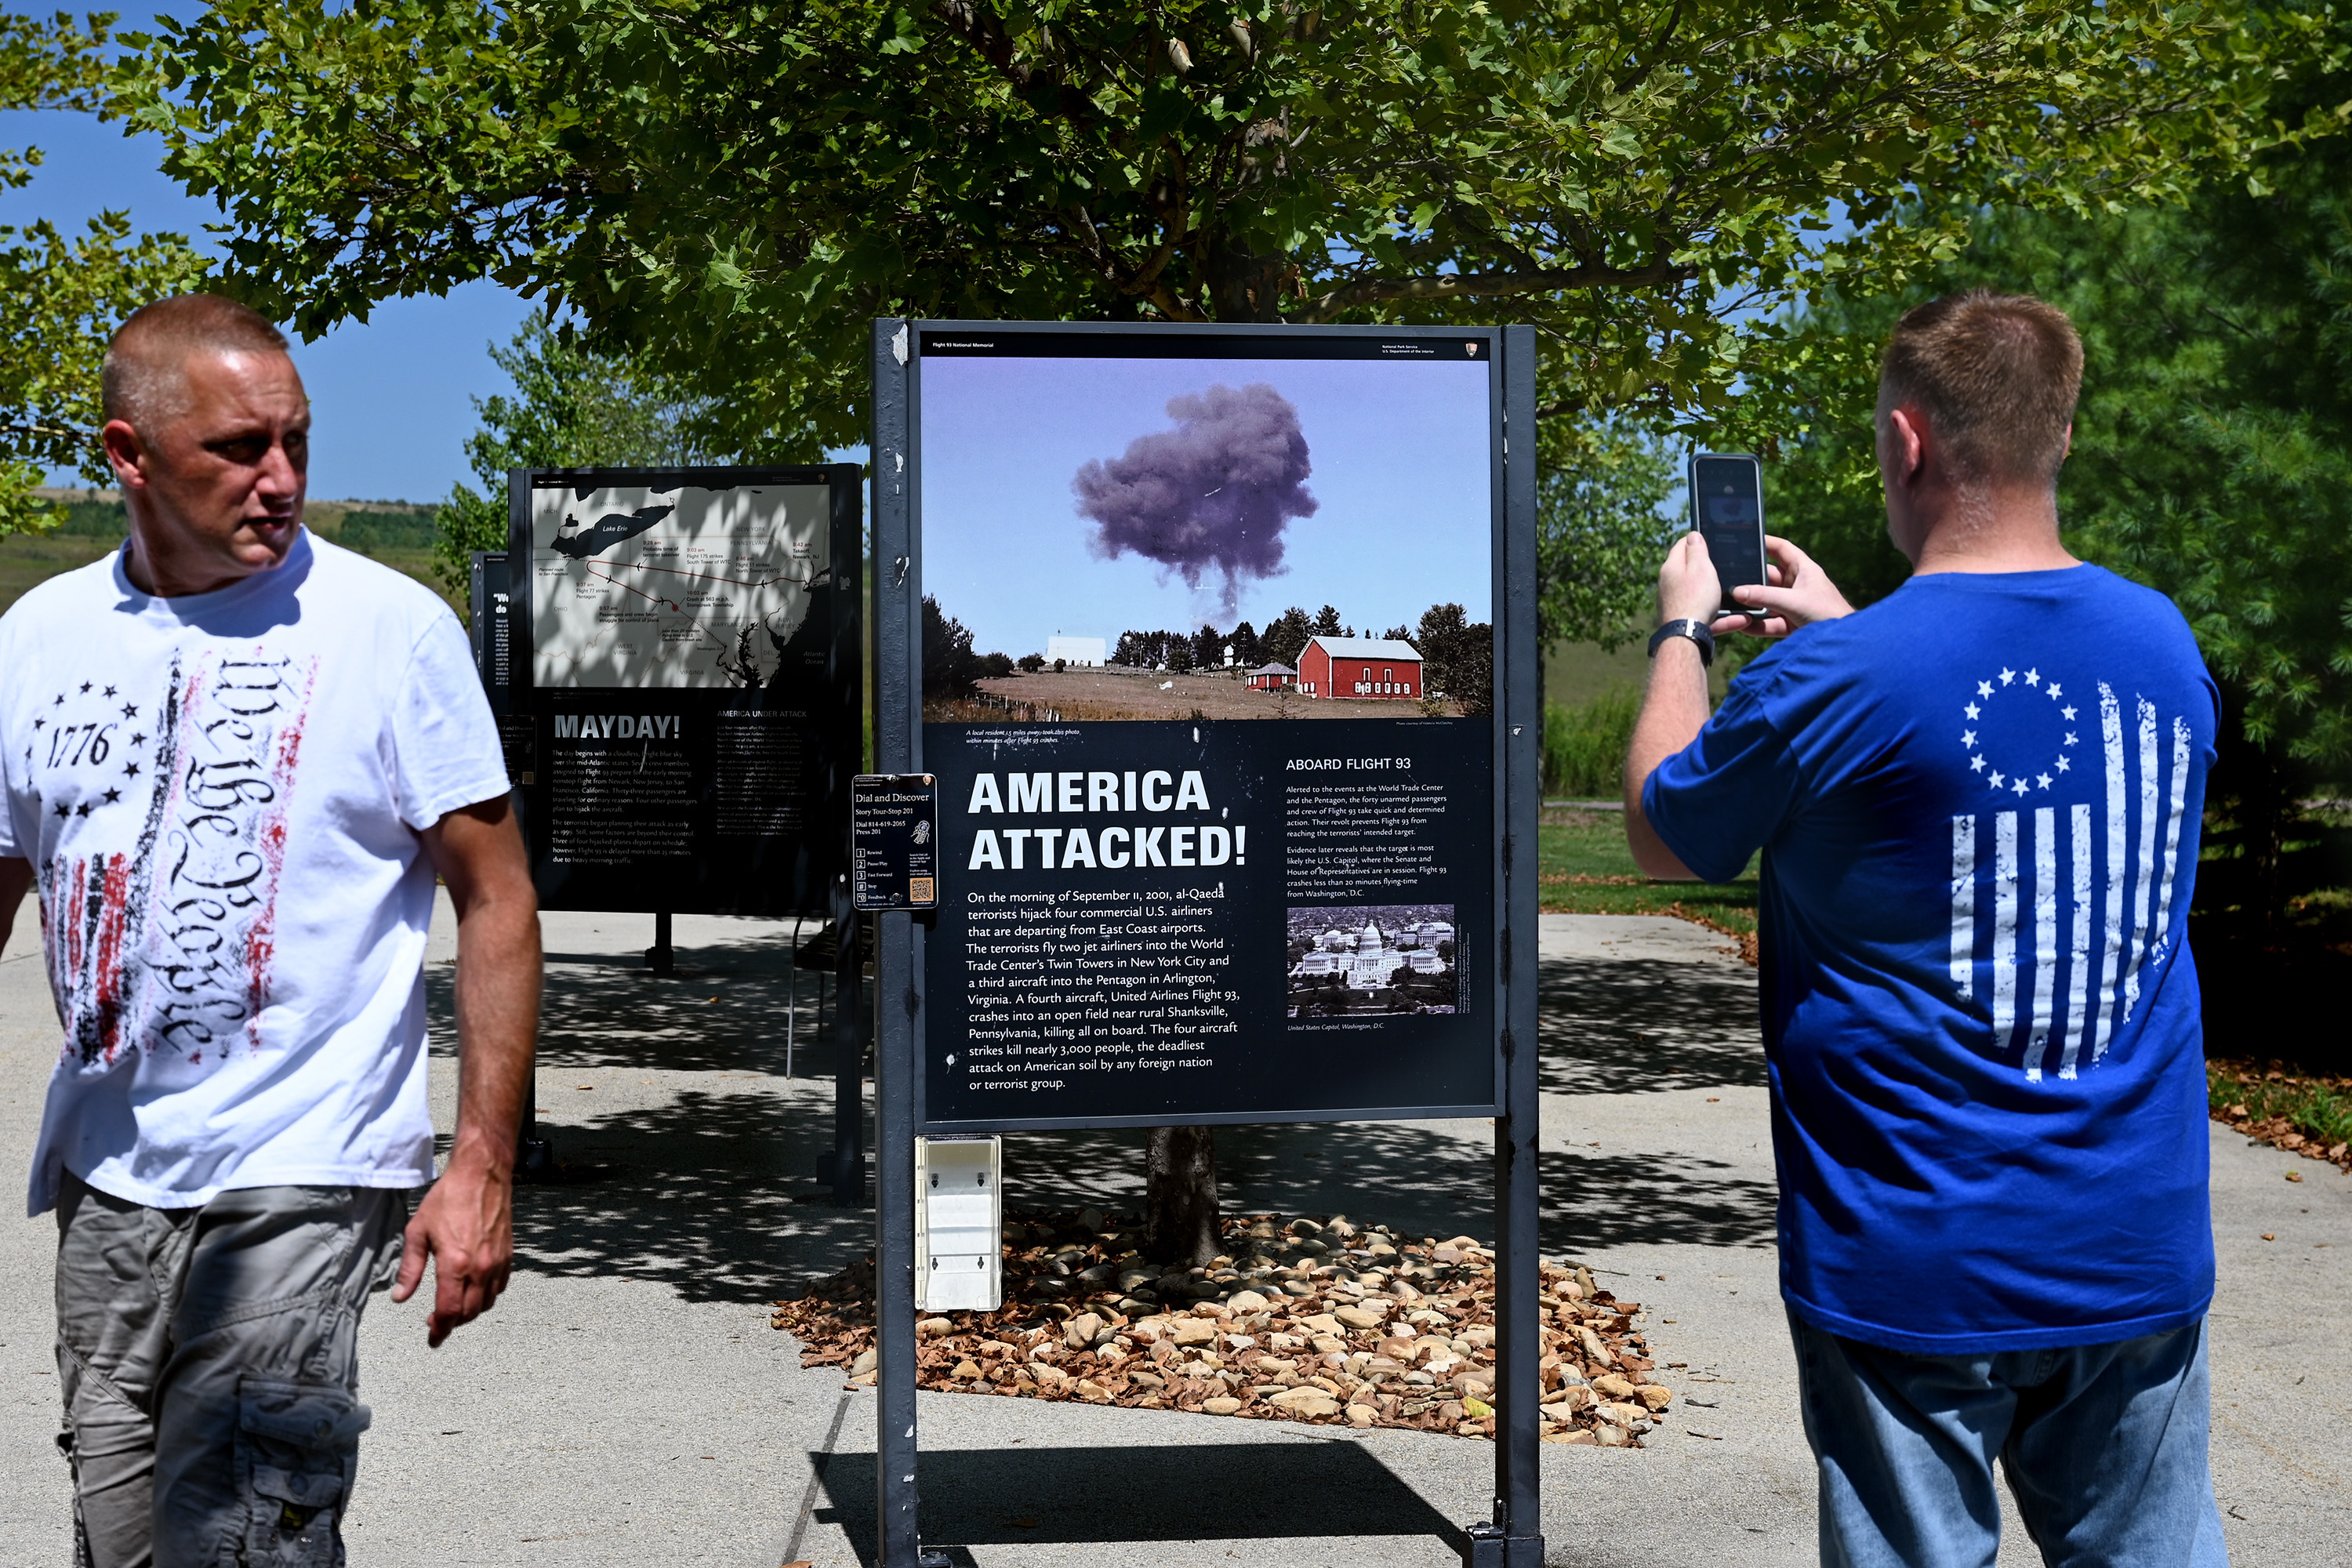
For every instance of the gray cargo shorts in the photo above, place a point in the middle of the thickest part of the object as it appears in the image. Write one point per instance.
(209, 1359)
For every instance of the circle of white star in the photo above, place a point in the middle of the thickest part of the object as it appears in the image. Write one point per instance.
(2013, 680)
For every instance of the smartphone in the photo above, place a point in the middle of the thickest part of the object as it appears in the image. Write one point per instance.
(1727, 491)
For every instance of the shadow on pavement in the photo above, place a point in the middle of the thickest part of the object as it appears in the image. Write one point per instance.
(1425, 1178)
(1209, 1491)
(723, 1010)
(696, 1194)
(1633, 1025)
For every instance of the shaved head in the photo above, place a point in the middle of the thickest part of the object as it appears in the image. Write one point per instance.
(146, 381)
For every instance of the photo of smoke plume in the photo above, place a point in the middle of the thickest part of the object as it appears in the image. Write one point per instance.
(1376, 959)
(1171, 538)
(1208, 498)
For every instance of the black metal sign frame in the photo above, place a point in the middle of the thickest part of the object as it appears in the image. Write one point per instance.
(1513, 1536)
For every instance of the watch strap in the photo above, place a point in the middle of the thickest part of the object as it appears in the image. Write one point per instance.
(1695, 630)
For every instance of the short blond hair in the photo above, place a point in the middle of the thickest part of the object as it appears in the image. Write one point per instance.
(1997, 375)
(144, 380)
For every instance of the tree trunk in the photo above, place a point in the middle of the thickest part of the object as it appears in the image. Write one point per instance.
(1244, 286)
(1180, 1196)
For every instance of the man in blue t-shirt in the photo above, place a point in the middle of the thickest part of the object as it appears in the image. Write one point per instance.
(1978, 803)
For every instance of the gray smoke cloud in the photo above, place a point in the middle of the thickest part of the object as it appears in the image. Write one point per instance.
(1211, 495)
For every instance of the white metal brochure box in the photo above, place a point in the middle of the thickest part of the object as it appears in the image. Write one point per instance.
(959, 1224)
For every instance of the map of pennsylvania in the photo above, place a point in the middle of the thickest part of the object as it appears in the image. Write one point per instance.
(633, 587)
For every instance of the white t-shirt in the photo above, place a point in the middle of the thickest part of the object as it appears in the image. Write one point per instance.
(221, 795)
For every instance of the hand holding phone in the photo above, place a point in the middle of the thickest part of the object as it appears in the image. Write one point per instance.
(1727, 492)
(1795, 592)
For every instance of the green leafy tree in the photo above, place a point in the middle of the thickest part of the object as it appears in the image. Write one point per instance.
(1458, 654)
(573, 406)
(738, 189)
(65, 295)
(1285, 638)
(1599, 533)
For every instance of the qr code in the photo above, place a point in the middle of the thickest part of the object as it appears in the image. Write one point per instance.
(919, 890)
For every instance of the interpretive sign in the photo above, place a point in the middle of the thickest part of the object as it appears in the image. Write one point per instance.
(894, 824)
(686, 653)
(1220, 642)
(1243, 869)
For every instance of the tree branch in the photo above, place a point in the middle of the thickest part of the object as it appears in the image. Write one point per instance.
(986, 35)
(1470, 285)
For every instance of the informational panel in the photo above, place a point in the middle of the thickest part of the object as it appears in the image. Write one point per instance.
(1242, 865)
(686, 653)
(894, 850)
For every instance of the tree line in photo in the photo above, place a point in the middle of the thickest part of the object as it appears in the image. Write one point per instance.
(1457, 653)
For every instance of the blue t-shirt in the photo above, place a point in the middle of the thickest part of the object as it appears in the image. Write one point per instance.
(1978, 803)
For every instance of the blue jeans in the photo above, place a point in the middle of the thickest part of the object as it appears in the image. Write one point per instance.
(2104, 1447)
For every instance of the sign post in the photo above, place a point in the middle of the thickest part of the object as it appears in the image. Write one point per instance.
(1217, 856)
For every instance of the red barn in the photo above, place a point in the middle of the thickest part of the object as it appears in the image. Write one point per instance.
(1271, 677)
(1359, 667)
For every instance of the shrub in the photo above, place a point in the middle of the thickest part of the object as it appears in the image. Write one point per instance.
(1584, 745)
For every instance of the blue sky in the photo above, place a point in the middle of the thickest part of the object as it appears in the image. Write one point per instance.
(392, 399)
(1400, 460)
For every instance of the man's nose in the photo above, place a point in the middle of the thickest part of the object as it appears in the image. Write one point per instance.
(281, 471)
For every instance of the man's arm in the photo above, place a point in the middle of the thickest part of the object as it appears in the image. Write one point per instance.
(15, 876)
(467, 1222)
(1675, 708)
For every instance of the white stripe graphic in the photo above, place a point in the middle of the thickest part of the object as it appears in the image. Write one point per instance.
(2004, 928)
(1964, 906)
(2162, 938)
(2146, 868)
(2111, 736)
(2078, 955)
(2045, 934)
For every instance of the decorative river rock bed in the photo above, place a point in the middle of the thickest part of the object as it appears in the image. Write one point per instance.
(1315, 1321)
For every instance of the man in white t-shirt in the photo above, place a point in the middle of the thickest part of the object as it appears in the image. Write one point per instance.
(233, 758)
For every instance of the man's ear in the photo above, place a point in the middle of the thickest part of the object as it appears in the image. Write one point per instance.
(2070, 442)
(1910, 441)
(125, 453)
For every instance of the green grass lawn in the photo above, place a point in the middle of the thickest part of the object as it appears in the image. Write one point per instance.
(1587, 870)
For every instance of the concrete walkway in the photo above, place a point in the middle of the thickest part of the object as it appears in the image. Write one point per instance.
(626, 1404)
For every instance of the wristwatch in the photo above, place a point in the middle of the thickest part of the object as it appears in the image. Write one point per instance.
(1695, 630)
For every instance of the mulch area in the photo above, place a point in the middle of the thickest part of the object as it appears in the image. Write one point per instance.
(1311, 1320)
(2301, 1113)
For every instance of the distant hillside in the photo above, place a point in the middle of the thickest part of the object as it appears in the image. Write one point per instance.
(398, 533)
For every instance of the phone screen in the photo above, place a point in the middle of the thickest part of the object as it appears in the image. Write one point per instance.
(1728, 494)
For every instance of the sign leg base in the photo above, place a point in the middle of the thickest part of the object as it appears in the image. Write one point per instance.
(535, 1157)
(1484, 1545)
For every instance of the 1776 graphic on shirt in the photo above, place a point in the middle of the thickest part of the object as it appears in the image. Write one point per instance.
(164, 836)
(2080, 840)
